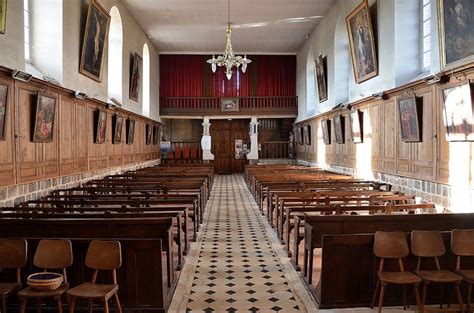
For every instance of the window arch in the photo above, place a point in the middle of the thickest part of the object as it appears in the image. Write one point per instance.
(310, 86)
(342, 63)
(146, 80)
(115, 56)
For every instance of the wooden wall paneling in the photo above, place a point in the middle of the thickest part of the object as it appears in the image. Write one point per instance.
(7, 148)
(424, 165)
(81, 136)
(51, 149)
(30, 154)
(116, 156)
(390, 136)
(404, 152)
(372, 133)
(443, 150)
(68, 146)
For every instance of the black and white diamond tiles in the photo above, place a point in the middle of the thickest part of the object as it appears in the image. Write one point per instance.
(237, 268)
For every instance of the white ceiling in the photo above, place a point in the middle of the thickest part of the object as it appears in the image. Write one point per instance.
(260, 26)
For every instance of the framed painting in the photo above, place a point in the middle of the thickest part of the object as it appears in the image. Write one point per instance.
(409, 110)
(456, 31)
(300, 136)
(458, 112)
(118, 126)
(326, 127)
(3, 16)
(357, 126)
(101, 127)
(95, 41)
(307, 135)
(44, 118)
(156, 130)
(149, 133)
(321, 77)
(135, 77)
(130, 131)
(230, 105)
(339, 128)
(3, 110)
(362, 43)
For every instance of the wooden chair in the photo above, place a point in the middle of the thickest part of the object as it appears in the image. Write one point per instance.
(12, 255)
(393, 245)
(101, 255)
(462, 245)
(429, 244)
(50, 254)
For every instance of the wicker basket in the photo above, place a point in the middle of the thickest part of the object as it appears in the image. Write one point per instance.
(45, 281)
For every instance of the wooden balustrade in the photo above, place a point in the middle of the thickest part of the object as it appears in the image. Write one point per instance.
(276, 150)
(212, 105)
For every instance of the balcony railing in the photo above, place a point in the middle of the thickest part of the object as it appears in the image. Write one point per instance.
(213, 105)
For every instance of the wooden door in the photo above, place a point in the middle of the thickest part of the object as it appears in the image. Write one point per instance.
(224, 133)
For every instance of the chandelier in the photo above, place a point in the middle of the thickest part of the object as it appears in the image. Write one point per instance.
(229, 59)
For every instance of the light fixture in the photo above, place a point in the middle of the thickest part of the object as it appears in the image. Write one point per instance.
(80, 94)
(380, 96)
(229, 60)
(20, 75)
(436, 78)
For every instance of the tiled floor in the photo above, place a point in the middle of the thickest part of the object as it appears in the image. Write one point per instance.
(238, 264)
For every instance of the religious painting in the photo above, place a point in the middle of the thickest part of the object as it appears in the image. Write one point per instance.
(156, 130)
(409, 110)
(101, 127)
(326, 127)
(44, 119)
(458, 112)
(357, 126)
(307, 135)
(149, 132)
(130, 131)
(339, 128)
(3, 110)
(230, 105)
(321, 76)
(362, 43)
(135, 77)
(118, 126)
(456, 23)
(95, 41)
(300, 136)
(3, 16)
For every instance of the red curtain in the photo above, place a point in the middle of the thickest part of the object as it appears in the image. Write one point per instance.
(191, 76)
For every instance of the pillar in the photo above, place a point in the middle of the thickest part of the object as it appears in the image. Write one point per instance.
(206, 140)
(253, 154)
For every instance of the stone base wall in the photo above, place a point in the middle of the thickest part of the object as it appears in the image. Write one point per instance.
(10, 196)
(439, 194)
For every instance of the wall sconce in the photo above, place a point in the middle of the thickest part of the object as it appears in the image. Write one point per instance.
(20, 75)
(80, 94)
(436, 78)
(380, 96)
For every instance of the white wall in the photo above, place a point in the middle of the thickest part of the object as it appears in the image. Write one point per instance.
(397, 42)
(74, 18)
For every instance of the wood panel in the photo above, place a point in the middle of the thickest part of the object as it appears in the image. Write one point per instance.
(73, 149)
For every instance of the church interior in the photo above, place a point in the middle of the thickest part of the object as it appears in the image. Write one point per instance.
(236, 156)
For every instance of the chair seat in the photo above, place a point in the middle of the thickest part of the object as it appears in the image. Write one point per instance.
(467, 275)
(441, 276)
(399, 278)
(29, 292)
(7, 288)
(90, 290)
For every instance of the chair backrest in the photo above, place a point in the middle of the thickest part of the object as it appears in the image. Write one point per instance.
(54, 254)
(104, 255)
(390, 245)
(427, 243)
(462, 242)
(13, 253)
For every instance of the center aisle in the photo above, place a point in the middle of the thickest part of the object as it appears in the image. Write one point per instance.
(238, 263)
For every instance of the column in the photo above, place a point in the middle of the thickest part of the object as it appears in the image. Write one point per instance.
(253, 154)
(206, 140)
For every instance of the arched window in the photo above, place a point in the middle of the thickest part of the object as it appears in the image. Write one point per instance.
(310, 86)
(146, 80)
(342, 63)
(115, 56)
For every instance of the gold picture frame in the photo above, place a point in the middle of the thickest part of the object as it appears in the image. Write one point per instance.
(95, 40)
(229, 104)
(364, 56)
(3, 16)
(135, 77)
